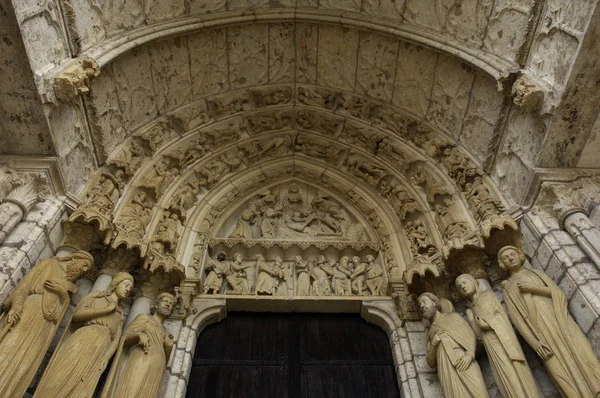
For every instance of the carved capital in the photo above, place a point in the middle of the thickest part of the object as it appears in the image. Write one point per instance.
(75, 79)
(561, 200)
(80, 236)
(406, 304)
(22, 189)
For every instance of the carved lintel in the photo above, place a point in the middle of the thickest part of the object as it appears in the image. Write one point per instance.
(527, 94)
(75, 79)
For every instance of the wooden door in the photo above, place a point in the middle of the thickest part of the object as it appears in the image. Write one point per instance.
(292, 356)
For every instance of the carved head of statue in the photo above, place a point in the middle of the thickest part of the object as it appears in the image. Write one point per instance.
(511, 258)
(344, 261)
(78, 263)
(237, 257)
(466, 285)
(164, 304)
(356, 260)
(221, 256)
(320, 259)
(298, 259)
(370, 259)
(122, 283)
(429, 304)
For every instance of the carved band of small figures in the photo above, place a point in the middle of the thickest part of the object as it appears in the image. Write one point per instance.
(319, 277)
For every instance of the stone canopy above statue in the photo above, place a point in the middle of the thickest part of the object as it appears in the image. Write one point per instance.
(294, 211)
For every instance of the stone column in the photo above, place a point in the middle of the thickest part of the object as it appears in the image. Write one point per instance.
(585, 233)
(140, 305)
(102, 282)
(24, 193)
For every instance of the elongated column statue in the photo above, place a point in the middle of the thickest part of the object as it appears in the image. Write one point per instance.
(31, 317)
(539, 311)
(451, 347)
(142, 356)
(491, 325)
(90, 340)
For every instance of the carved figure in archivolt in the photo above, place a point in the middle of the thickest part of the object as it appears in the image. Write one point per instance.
(167, 234)
(128, 157)
(238, 278)
(88, 343)
(433, 187)
(320, 273)
(302, 276)
(286, 277)
(212, 173)
(366, 171)
(481, 201)
(103, 196)
(272, 147)
(142, 356)
(185, 198)
(216, 271)
(342, 284)
(267, 280)
(451, 348)
(32, 315)
(401, 201)
(450, 227)
(374, 276)
(319, 149)
(358, 276)
(539, 311)
(418, 238)
(160, 178)
(491, 325)
(194, 150)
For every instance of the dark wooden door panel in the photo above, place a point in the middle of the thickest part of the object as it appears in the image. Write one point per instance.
(292, 356)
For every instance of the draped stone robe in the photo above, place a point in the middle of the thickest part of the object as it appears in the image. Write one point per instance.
(83, 353)
(574, 365)
(458, 340)
(23, 347)
(135, 374)
(509, 367)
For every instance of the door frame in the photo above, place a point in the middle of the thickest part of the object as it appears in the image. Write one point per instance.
(403, 338)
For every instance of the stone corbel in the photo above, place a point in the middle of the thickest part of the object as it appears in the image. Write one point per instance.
(406, 305)
(528, 94)
(73, 81)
